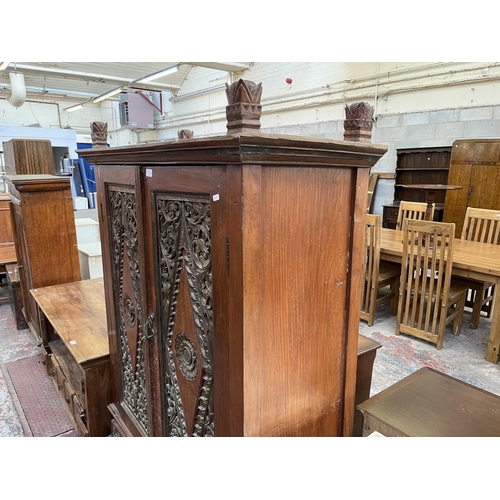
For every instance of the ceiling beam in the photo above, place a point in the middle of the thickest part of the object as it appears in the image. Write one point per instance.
(231, 67)
(94, 77)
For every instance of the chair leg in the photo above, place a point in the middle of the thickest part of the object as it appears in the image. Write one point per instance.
(395, 298)
(457, 322)
(476, 308)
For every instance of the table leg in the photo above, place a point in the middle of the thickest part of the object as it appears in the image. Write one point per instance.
(430, 197)
(493, 351)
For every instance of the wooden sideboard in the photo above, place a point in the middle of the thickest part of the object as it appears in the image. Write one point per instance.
(74, 341)
(232, 272)
(44, 234)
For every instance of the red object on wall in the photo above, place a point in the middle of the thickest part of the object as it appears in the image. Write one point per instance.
(288, 80)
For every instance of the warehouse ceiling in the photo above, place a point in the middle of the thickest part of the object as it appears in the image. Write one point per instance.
(88, 80)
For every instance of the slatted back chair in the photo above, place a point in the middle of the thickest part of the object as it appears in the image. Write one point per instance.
(481, 225)
(378, 275)
(427, 290)
(411, 210)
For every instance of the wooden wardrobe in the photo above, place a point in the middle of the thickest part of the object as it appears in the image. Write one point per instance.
(232, 269)
(474, 165)
(232, 275)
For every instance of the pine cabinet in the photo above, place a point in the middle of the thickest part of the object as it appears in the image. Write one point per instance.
(232, 274)
(44, 234)
(474, 165)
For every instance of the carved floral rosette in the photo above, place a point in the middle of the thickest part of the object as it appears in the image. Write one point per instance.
(243, 111)
(359, 122)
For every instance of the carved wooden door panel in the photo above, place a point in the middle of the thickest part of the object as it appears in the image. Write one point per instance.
(184, 208)
(127, 320)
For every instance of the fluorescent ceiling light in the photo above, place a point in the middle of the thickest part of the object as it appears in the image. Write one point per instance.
(4, 65)
(159, 74)
(107, 95)
(73, 108)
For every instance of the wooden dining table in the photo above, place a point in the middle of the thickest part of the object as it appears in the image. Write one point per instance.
(471, 259)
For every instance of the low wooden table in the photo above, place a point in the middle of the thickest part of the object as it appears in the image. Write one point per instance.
(367, 350)
(75, 344)
(429, 403)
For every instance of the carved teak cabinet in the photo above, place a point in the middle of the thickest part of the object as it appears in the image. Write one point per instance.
(232, 272)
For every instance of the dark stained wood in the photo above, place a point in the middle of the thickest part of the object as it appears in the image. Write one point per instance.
(16, 299)
(367, 351)
(285, 292)
(421, 166)
(474, 165)
(28, 156)
(78, 351)
(358, 123)
(429, 403)
(45, 235)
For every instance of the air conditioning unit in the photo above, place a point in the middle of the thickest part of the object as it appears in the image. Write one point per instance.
(136, 112)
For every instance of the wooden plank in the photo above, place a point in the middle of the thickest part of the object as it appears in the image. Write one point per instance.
(78, 314)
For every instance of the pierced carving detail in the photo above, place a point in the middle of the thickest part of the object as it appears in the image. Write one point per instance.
(185, 243)
(124, 236)
(129, 310)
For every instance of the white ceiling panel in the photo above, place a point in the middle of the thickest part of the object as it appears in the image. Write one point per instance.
(87, 80)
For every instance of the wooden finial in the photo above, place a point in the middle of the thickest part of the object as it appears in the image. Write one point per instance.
(185, 134)
(244, 110)
(99, 134)
(359, 122)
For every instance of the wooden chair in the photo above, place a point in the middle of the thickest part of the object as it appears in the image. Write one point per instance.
(484, 226)
(427, 290)
(377, 274)
(411, 210)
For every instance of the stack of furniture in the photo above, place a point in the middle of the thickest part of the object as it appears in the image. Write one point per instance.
(231, 310)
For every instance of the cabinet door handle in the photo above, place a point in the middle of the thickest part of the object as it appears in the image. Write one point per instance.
(145, 328)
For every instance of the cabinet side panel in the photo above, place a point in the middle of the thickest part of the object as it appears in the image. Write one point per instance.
(295, 352)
